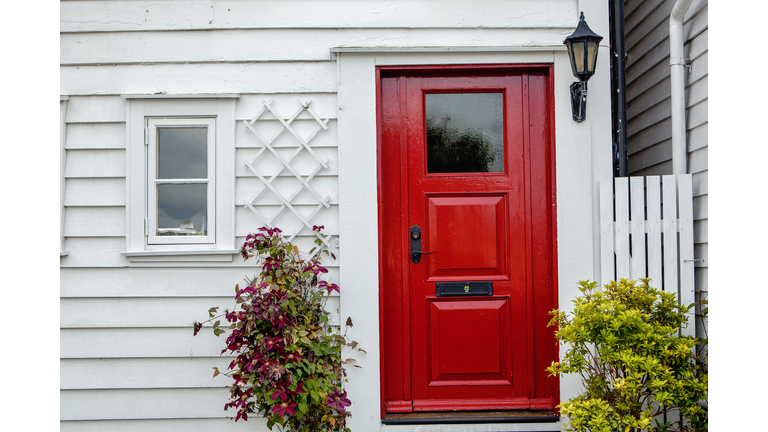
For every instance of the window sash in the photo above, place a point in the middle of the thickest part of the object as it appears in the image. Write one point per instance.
(153, 182)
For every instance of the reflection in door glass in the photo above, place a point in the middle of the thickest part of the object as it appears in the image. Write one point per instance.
(465, 132)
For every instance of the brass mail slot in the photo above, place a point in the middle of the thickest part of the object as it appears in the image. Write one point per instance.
(448, 289)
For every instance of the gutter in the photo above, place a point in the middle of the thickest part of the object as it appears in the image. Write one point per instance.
(677, 64)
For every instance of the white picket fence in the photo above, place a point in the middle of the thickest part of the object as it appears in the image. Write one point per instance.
(646, 230)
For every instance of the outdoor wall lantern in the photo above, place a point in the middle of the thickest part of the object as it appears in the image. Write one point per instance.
(582, 50)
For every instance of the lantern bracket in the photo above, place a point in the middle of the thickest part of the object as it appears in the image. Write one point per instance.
(579, 101)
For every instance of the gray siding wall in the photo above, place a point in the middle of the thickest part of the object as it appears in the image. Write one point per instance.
(648, 103)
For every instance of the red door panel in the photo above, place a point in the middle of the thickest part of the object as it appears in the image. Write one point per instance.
(467, 250)
(469, 342)
(455, 160)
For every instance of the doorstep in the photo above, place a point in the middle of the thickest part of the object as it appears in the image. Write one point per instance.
(471, 417)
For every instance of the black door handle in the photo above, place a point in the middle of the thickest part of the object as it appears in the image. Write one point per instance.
(416, 252)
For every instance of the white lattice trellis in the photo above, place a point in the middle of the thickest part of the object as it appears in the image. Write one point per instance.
(305, 181)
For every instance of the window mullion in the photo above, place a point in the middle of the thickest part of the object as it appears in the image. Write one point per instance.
(181, 181)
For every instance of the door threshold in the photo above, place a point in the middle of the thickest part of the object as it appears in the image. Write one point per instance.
(469, 417)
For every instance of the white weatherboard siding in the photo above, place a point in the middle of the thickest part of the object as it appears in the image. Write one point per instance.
(128, 358)
(284, 45)
(83, 16)
(649, 126)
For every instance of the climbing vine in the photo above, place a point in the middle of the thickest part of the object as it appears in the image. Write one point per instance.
(288, 364)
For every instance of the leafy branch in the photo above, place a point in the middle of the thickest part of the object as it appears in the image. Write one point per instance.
(624, 343)
(288, 366)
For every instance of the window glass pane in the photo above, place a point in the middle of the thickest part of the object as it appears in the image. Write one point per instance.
(465, 132)
(182, 209)
(182, 152)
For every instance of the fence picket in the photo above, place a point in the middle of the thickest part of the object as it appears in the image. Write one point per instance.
(653, 228)
(686, 294)
(669, 227)
(637, 227)
(606, 231)
(622, 227)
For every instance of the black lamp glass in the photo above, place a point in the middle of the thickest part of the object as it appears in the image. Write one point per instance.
(582, 51)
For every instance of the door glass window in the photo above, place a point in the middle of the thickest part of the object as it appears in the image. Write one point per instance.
(465, 132)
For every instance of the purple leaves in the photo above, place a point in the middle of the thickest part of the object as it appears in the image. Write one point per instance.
(271, 263)
(251, 239)
(284, 407)
(315, 268)
(330, 287)
(338, 400)
(293, 357)
(270, 231)
(287, 359)
(247, 290)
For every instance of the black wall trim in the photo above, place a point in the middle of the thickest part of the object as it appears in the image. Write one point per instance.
(618, 88)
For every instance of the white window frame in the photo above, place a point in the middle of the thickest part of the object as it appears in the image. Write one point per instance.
(153, 123)
(144, 114)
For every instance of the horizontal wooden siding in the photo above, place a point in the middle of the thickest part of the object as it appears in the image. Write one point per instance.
(648, 105)
(128, 358)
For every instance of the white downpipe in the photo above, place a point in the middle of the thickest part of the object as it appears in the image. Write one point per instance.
(677, 78)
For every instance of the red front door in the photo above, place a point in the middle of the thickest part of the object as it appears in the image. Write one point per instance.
(466, 200)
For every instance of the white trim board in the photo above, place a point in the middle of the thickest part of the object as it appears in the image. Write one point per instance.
(137, 113)
(444, 49)
(583, 156)
(181, 96)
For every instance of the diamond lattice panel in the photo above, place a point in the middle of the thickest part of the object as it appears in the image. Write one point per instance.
(287, 171)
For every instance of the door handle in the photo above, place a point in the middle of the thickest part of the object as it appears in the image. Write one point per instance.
(416, 252)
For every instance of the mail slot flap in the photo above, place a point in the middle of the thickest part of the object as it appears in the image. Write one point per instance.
(446, 289)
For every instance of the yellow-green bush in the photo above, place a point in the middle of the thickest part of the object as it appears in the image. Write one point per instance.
(624, 342)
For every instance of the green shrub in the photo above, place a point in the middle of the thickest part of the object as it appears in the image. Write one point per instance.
(624, 342)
